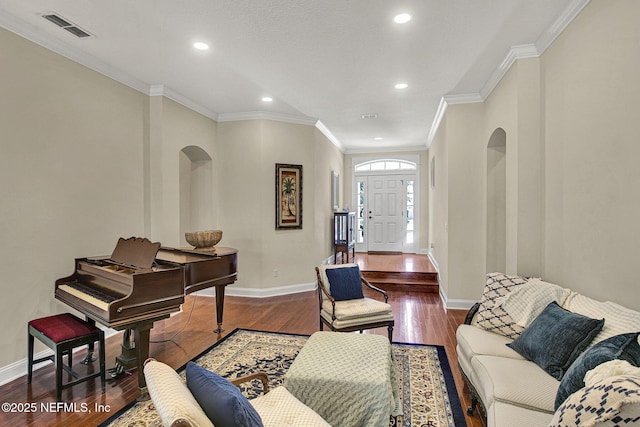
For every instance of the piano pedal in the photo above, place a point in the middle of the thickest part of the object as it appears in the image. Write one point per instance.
(117, 372)
(90, 358)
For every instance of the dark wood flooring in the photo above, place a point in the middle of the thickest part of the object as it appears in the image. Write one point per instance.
(420, 318)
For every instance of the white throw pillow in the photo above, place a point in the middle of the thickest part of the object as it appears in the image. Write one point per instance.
(527, 301)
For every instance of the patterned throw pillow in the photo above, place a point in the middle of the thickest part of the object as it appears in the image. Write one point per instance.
(491, 316)
(614, 401)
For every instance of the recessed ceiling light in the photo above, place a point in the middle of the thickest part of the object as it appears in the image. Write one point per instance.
(401, 86)
(378, 138)
(201, 46)
(267, 99)
(402, 18)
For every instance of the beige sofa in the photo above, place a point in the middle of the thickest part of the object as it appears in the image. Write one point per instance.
(514, 391)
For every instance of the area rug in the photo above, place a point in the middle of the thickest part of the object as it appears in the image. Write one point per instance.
(427, 390)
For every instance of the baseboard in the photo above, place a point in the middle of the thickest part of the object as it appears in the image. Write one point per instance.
(455, 304)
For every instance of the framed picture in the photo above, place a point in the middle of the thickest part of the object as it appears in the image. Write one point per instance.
(288, 196)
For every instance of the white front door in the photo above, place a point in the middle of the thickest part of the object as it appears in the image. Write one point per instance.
(385, 222)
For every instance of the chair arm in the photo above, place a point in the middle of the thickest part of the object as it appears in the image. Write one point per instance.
(472, 312)
(258, 375)
(370, 286)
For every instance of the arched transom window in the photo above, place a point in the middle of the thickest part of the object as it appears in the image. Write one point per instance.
(385, 165)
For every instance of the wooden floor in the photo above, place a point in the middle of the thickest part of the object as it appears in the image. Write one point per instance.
(420, 318)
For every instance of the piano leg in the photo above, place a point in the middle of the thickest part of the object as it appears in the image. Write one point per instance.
(219, 307)
(141, 333)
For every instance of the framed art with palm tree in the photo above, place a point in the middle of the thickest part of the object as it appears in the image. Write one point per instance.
(288, 196)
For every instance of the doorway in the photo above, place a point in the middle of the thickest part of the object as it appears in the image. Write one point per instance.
(386, 200)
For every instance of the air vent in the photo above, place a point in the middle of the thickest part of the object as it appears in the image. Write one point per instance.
(369, 116)
(65, 24)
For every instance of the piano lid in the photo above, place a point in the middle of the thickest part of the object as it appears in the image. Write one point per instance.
(136, 252)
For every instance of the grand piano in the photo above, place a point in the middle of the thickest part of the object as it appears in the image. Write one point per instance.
(141, 283)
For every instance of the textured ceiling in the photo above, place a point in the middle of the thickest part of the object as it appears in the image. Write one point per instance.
(327, 60)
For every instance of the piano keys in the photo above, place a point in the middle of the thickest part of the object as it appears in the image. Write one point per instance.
(141, 283)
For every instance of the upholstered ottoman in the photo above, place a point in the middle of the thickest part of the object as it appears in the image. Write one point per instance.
(349, 379)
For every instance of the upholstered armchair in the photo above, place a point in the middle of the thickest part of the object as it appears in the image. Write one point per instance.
(205, 400)
(343, 306)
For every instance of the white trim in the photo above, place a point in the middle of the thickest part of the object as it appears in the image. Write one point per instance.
(330, 136)
(31, 33)
(569, 14)
(516, 52)
(266, 115)
(386, 149)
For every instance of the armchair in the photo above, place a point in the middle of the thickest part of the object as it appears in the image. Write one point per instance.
(343, 306)
(178, 407)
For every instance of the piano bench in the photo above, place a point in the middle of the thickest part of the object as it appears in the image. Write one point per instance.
(62, 333)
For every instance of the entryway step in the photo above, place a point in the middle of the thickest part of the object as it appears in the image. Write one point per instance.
(403, 281)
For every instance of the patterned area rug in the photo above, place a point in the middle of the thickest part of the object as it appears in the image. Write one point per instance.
(427, 389)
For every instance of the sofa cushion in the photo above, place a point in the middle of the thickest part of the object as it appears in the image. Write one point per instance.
(516, 381)
(527, 301)
(222, 401)
(491, 316)
(171, 397)
(618, 319)
(279, 408)
(473, 341)
(556, 338)
(503, 414)
(345, 283)
(622, 347)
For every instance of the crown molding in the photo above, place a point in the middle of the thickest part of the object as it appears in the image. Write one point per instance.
(31, 33)
(266, 115)
(387, 149)
(515, 53)
(330, 136)
(569, 14)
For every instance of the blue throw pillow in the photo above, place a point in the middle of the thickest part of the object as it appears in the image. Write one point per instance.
(556, 338)
(344, 283)
(223, 402)
(623, 347)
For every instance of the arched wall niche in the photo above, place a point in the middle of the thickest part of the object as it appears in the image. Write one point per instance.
(496, 191)
(196, 190)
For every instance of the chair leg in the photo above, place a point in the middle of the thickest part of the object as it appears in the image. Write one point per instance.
(59, 375)
(29, 357)
(102, 363)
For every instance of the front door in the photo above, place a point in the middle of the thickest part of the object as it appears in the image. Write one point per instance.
(385, 224)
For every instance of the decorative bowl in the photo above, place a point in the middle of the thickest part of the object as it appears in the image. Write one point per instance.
(203, 240)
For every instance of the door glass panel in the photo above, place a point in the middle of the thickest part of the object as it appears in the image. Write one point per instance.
(410, 206)
(360, 213)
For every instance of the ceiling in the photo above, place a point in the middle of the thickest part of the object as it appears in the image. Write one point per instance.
(331, 61)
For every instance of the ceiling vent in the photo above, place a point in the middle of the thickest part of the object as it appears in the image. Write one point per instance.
(65, 24)
(369, 116)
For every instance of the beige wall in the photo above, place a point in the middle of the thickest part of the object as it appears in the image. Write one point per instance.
(571, 126)
(271, 258)
(71, 177)
(591, 135)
